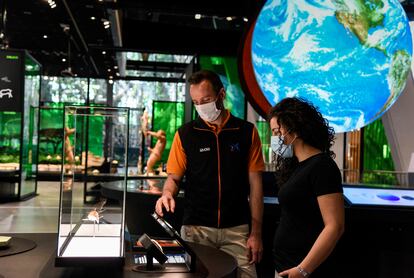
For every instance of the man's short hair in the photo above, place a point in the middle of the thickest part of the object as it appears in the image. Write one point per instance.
(211, 76)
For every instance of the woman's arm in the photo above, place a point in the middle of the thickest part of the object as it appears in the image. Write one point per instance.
(332, 210)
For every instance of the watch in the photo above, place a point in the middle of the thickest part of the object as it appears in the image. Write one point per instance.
(303, 272)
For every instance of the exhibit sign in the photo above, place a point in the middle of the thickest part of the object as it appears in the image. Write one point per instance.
(349, 58)
(11, 80)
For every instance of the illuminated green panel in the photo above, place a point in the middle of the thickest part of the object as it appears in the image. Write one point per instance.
(226, 67)
(377, 154)
(10, 124)
(96, 135)
(168, 116)
(263, 129)
(50, 135)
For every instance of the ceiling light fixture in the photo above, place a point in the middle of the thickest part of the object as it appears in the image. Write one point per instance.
(229, 18)
(45, 36)
(115, 67)
(63, 60)
(51, 3)
(111, 81)
(106, 23)
(93, 18)
(245, 19)
(109, 70)
(197, 16)
(104, 52)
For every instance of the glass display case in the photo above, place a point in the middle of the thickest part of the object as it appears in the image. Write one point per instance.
(20, 76)
(92, 234)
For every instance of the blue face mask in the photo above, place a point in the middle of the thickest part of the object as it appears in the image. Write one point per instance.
(280, 148)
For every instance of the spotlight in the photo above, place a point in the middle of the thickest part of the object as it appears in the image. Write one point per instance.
(106, 23)
(111, 81)
(51, 3)
(45, 36)
(229, 18)
(104, 52)
(197, 16)
(109, 70)
(93, 18)
(245, 19)
(115, 67)
(63, 60)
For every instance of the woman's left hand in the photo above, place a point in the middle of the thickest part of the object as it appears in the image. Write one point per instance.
(291, 273)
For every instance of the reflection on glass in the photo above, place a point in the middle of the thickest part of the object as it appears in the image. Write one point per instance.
(156, 57)
(144, 73)
(31, 114)
(98, 91)
(64, 89)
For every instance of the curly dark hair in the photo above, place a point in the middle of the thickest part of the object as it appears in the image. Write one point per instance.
(297, 115)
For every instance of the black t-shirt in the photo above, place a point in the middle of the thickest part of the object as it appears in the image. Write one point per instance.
(301, 220)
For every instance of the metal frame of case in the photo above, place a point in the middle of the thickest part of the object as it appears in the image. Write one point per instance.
(91, 234)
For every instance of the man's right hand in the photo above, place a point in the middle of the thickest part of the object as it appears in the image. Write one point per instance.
(167, 201)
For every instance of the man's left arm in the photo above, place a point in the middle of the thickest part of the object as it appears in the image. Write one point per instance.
(254, 242)
(256, 167)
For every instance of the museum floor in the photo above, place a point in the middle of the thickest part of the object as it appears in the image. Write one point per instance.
(36, 215)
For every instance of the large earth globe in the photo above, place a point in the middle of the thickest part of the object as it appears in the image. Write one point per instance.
(350, 58)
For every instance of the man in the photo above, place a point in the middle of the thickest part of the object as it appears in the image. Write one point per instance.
(221, 158)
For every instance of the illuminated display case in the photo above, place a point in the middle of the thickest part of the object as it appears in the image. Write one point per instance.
(91, 234)
(20, 76)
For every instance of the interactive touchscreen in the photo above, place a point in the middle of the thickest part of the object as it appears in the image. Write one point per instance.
(189, 256)
(169, 229)
(379, 196)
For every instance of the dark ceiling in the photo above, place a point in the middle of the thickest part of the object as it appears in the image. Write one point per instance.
(155, 26)
(44, 28)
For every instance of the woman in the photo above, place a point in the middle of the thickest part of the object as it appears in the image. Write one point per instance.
(310, 194)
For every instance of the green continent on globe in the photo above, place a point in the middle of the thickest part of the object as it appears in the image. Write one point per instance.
(367, 15)
(400, 66)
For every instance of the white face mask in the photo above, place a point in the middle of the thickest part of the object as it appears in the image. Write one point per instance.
(280, 148)
(208, 111)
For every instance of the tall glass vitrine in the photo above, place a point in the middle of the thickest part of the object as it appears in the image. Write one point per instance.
(91, 234)
(20, 77)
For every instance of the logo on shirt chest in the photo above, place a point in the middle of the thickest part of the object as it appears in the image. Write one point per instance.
(235, 147)
(202, 150)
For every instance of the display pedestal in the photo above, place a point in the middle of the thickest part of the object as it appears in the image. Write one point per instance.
(17, 245)
(149, 266)
(40, 263)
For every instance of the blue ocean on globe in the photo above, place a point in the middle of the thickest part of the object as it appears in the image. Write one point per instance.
(349, 58)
